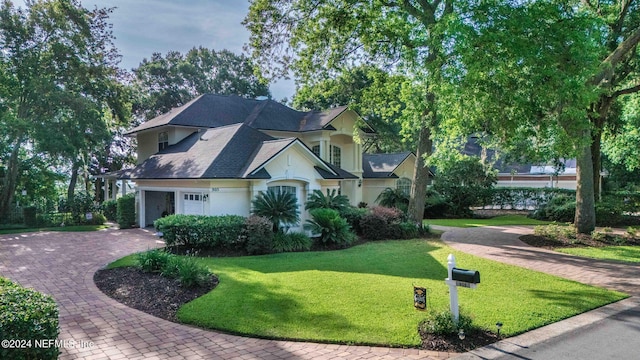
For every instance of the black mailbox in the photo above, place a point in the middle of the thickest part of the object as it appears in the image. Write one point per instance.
(469, 276)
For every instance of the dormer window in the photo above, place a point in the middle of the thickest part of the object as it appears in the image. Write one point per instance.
(163, 140)
(316, 150)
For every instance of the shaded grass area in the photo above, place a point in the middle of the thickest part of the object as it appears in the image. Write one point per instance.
(495, 221)
(60, 229)
(619, 253)
(364, 295)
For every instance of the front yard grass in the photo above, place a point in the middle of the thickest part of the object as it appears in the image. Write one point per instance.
(364, 295)
(619, 253)
(495, 221)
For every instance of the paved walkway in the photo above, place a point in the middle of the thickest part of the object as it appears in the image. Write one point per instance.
(502, 244)
(93, 326)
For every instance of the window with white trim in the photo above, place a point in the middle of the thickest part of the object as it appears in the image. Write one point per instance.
(336, 156)
(404, 185)
(283, 189)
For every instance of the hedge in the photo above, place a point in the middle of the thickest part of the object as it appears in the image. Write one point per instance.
(523, 198)
(126, 212)
(28, 315)
(201, 232)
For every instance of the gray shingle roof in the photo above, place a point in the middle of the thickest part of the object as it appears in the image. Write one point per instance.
(220, 153)
(211, 111)
(382, 165)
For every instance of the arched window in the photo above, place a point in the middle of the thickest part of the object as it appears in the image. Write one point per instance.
(404, 185)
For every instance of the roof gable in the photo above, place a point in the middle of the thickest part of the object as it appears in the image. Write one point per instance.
(383, 165)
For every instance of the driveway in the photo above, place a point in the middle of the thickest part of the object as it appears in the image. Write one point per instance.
(93, 326)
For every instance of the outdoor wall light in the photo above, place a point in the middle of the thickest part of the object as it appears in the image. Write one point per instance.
(461, 334)
(359, 182)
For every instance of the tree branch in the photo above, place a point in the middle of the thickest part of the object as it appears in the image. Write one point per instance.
(627, 91)
(607, 66)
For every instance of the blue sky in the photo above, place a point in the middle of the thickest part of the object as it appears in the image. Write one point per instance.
(142, 27)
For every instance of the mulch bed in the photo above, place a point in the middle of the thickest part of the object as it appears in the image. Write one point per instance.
(580, 241)
(452, 343)
(152, 293)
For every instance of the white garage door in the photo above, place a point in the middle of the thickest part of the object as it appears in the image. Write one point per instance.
(193, 204)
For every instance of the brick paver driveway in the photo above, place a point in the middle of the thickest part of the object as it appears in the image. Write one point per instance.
(93, 326)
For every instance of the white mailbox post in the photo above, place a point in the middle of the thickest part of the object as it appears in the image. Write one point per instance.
(458, 277)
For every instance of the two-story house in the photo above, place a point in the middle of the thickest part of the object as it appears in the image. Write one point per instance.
(213, 155)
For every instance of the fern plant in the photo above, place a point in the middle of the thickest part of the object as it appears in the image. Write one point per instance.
(330, 227)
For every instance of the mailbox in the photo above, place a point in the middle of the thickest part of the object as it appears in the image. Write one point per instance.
(468, 276)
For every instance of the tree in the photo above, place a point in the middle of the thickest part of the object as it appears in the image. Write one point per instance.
(58, 76)
(316, 39)
(550, 88)
(166, 82)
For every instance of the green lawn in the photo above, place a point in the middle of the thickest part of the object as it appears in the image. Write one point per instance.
(496, 221)
(364, 295)
(62, 229)
(620, 253)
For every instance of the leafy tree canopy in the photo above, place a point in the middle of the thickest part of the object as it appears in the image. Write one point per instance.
(165, 82)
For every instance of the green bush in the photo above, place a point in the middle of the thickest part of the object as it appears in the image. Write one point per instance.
(609, 212)
(354, 215)
(126, 211)
(28, 315)
(79, 205)
(202, 232)
(110, 209)
(561, 208)
(258, 235)
(280, 207)
(171, 268)
(153, 260)
(555, 231)
(330, 228)
(293, 241)
(408, 230)
(191, 273)
(441, 323)
(97, 219)
(435, 205)
(382, 223)
(29, 215)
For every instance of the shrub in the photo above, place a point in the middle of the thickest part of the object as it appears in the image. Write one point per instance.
(97, 219)
(555, 231)
(29, 215)
(382, 223)
(126, 211)
(153, 260)
(202, 232)
(171, 268)
(441, 323)
(110, 209)
(26, 314)
(560, 208)
(317, 200)
(191, 273)
(79, 205)
(258, 235)
(353, 216)
(330, 227)
(435, 205)
(293, 241)
(408, 230)
(279, 207)
(393, 198)
(609, 212)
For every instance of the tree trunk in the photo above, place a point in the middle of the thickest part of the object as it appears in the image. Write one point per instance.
(74, 179)
(596, 160)
(420, 177)
(585, 220)
(11, 179)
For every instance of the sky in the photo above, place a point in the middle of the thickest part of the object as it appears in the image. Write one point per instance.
(142, 27)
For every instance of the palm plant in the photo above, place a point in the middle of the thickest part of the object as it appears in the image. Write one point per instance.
(393, 198)
(331, 228)
(317, 200)
(279, 207)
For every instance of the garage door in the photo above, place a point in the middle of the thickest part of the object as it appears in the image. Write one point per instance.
(193, 204)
